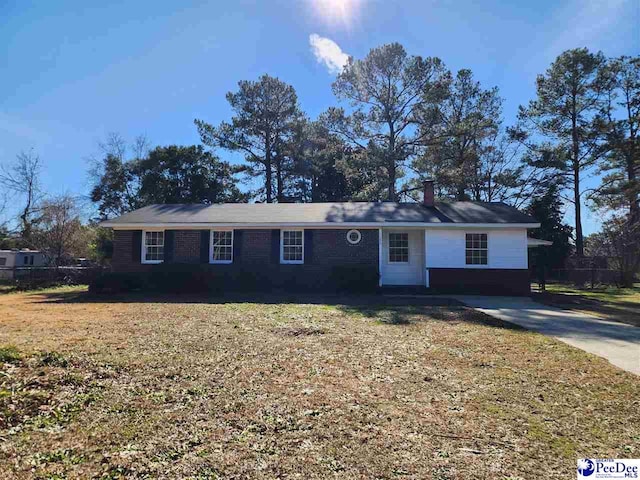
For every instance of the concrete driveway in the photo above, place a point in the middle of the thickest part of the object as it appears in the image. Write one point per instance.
(617, 342)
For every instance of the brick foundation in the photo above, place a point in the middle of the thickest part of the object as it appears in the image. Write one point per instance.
(484, 281)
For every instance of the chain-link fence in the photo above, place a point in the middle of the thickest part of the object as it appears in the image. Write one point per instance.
(37, 277)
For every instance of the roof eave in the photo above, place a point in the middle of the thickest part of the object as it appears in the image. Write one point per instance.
(200, 225)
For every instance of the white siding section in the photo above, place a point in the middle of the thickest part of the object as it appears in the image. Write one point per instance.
(16, 258)
(507, 248)
(411, 273)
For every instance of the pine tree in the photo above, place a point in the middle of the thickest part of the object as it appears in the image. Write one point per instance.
(561, 123)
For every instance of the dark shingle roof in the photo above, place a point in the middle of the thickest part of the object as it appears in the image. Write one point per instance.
(342, 212)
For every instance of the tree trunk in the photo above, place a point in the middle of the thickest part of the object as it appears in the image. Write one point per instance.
(391, 164)
(314, 189)
(578, 212)
(634, 206)
(268, 173)
(628, 279)
(391, 191)
(576, 180)
(461, 183)
(24, 217)
(631, 160)
(279, 180)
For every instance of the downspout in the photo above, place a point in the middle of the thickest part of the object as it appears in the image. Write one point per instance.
(379, 257)
(426, 267)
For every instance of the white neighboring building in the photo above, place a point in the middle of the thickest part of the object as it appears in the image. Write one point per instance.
(10, 260)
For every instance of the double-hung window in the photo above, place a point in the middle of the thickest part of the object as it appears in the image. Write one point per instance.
(398, 248)
(476, 252)
(292, 246)
(153, 247)
(221, 246)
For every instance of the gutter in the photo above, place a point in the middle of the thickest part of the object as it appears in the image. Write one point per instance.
(335, 225)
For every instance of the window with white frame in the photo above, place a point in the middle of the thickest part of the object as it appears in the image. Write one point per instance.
(3, 261)
(476, 249)
(221, 246)
(398, 248)
(292, 246)
(153, 247)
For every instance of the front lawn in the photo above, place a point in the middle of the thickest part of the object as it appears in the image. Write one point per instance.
(608, 302)
(196, 387)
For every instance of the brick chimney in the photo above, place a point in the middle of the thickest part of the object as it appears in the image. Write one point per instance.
(429, 199)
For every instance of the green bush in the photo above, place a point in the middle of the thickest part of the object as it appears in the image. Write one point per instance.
(184, 278)
(170, 278)
(9, 354)
(203, 278)
(118, 283)
(52, 359)
(355, 278)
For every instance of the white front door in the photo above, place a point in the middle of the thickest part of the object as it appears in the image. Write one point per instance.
(402, 257)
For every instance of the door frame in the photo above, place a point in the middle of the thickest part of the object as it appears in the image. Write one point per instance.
(418, 234)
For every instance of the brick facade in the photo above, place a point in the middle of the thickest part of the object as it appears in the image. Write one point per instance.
(329, 248)
(255, 255)
(256, 247)
(186, 246)
(122, 260)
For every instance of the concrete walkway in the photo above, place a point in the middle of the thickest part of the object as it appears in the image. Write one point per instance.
(617, 342)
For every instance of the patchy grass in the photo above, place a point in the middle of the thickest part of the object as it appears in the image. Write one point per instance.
(608, 302)
(9, 287)
(195, 387)
(9, 354)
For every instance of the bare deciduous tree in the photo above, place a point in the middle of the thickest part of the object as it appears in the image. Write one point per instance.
(619, 241)
(22, 179)
(60, 234)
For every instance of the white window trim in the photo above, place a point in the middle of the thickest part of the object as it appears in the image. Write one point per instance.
(389, 262)
(211, 260)
(143, 246)
(477, 265)
(292, 262)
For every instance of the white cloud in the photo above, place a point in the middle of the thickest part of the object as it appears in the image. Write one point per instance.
(587, 22)
(328, 52)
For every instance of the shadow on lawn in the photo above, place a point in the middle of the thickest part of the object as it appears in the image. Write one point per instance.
(386, 309)
(620, 311)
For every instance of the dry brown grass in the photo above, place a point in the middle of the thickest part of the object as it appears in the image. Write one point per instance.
(187, 387)
(607, 302)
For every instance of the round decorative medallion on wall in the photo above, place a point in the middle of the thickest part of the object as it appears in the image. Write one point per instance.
(354, 237)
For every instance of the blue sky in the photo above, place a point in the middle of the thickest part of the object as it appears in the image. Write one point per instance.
(72, 71)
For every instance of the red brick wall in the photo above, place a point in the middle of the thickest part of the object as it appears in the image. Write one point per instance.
(186, 246)
(256, 247)
(330, 248)
(122, 260)
(486, 281)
